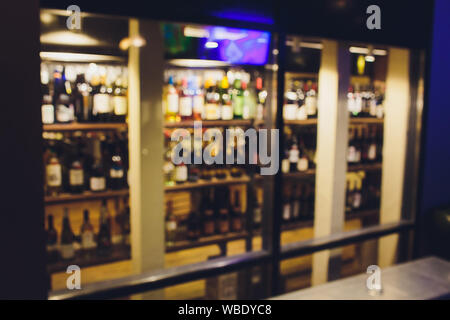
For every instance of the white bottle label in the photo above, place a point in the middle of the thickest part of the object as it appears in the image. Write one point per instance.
(380, 111)
(87, 240)
(67, 251)
(116, 173)
(227, 112)
(198, 104)
(211, 111)
(286, 212)
(246, 112)
(257, 215)
(171, 225)
(285, 165)
(186, 106)
(311, 105)
(293, 155)
(76, 177)
(356, 200)
(373, 108)
(48, 114)
(120, 105)
(181, 173)
(351, 155)
(301, 113)
(296, 209)
(97, 183)
(290, 111)
(64, 113)
(302, 164)
(372, 153)
(102, 103)
(54, 175)
(172, 103)
(259, 112)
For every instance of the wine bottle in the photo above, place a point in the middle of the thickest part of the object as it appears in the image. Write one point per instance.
(119, 100)
(295, 204)
(185, 100)
(236, 216)
(212, 110)
(172, 101)
(208, 214)
(104, 244)
(293, 155)
(226, 104)
(193, 221)
(67, 249)
(171, 225)
(52, 240)
(54, 175)
(198, 100)
(102, 107)
(116, 171)
(87, 233)
(97, 179)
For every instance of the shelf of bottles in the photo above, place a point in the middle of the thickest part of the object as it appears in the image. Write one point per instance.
(84, 110)
(232, 99)
(298, 158)
(365, 101)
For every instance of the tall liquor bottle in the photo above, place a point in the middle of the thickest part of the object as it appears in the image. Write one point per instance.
(116, 170)
(67, 249)
(87, 233)
(212, 110)
(198, 100)
(102, 106)
(236, 213)
(293, 155)
(223, 212)
(119, 100)
(208, 214)
(104, 235)
(238, 99)
(226, 105)
(194, 221)
(64, 109)
(311, 100)
(97, 179)
(296, 203)
(52, 240)
(76, 170)
(47, 108)
(53, 175)
(287, 210)
(290, 104)
(261, 98)
(171, 225)
(186, 101)
(257, 210)
(171, 101)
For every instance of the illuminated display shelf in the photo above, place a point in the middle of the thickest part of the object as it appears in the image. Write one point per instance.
(85, 196)
(94, 126)
(207, 183)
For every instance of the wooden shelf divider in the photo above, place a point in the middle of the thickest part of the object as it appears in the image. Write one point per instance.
(364, 167)
(366, 120)
(85, 196)
(207, 183)
(95, 126)
(209, 123)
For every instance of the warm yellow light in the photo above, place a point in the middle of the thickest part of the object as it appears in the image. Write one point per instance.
(69, 38)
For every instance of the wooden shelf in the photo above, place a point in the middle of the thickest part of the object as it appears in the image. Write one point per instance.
(85, 196)
(207, 183)
(366, 121)
(361, 213)
(205, 241)
(118, 253)
(75, 126)
(209, 123)
(307, 122)
(300, 174)
(364, 167)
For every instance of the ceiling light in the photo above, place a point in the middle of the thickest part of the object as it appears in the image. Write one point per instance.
(78, 57)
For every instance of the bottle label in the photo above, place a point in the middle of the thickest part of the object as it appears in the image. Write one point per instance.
(290, 111)
(238, 106)
(351, 155)
(293, 155)
(286, 212)
(171, 225)
(285, 165)
(356, 200)
(227, 112)
(259, 112)
(257, 215)
(97, 183)
(172, 103)
(116, 173)
(380, 111)
(246, 112)
(54, 175)
(302, 164)
(52, 247)
(181, 173)
(301, 113)
(48, 114)
(372, 153)
(76, 177)
(185, 106)
(87, 240)
(102, 103)
(198, 104)
(64, 113)
(67, 251)
(311, 105)
(373, 108)
(211, 111)
(120, 105)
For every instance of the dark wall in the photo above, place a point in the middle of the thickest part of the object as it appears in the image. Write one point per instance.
(22, 236)
(435, 168)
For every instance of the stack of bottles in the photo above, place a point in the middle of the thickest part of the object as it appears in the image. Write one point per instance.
(83, 93)
(300, 100)
(365, 101)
